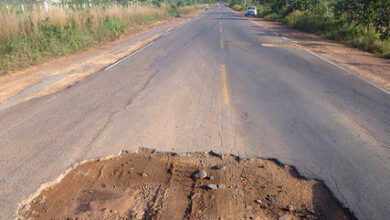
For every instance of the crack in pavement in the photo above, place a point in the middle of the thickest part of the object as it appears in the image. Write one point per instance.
(112, 114)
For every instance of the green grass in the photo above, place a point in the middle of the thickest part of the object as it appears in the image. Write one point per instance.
(36, 36)
(238, 7)
(332, 28)
(338, 30)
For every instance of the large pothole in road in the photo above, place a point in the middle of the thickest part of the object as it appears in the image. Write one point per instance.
(152, 185)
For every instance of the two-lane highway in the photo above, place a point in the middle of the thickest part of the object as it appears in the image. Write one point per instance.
(219, 82)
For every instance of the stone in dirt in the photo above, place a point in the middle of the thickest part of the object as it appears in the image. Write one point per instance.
(214, 154)
(218, 167)
(221, 186)
(200, 174)
(167, 192)
(258, 201)
(212, 186)
(216, 186)
(211, 177)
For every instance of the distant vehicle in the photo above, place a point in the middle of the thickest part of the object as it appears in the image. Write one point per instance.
(251, 11)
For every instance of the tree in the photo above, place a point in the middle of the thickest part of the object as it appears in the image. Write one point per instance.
(382, 19)
(366, 13)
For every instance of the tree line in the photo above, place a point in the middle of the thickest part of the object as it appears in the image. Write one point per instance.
(368, 14)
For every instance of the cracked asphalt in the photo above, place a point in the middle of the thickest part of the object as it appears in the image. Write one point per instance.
(210, 85)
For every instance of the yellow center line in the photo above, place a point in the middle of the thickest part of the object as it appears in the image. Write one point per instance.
(225, 95)
(220, 31)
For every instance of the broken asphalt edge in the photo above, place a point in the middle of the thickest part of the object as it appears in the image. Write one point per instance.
(294, 173)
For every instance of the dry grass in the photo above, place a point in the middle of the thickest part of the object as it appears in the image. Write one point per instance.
(36, 34)
(14, 22)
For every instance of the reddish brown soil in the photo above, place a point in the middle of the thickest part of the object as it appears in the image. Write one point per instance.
(367, 65)
(150, 185)
(79, 65)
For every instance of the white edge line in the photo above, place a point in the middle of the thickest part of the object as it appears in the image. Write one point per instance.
(127, 56)
(331, 62)
(349, 71)
(144, 47)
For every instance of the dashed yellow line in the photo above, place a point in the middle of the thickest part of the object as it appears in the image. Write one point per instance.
(220, 31)
(225, 95)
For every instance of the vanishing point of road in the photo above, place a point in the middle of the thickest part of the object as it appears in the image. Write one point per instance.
(219, 82)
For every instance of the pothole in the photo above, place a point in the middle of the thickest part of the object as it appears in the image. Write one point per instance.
(163, 185)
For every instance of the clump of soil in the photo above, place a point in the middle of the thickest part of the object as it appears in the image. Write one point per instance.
(151, 185)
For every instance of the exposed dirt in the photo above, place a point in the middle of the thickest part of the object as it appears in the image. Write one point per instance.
(78, 66)
(150, 185)
(365, 64)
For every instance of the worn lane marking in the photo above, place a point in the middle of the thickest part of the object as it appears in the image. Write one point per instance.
(380, 88)
(225, 94)
(128, 56)
(220, 31)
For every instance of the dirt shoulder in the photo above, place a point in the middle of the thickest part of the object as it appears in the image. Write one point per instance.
(367, 65)
(151, 185)
(58, 74)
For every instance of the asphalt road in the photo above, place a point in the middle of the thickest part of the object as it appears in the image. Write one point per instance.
(218, 82)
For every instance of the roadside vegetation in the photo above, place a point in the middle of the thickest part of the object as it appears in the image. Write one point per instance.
(32, 32)
(364, 24)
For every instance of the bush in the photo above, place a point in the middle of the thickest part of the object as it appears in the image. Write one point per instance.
(337, 30)
(311, 23)
(174, 11)
(238, 7)
(293, 17)
(340, 21)
(113, 27)
(272, 16)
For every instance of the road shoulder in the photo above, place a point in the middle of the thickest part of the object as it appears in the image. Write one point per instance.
(368, 66)
(61, 73)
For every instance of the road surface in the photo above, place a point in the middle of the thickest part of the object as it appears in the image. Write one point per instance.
(218, 82)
